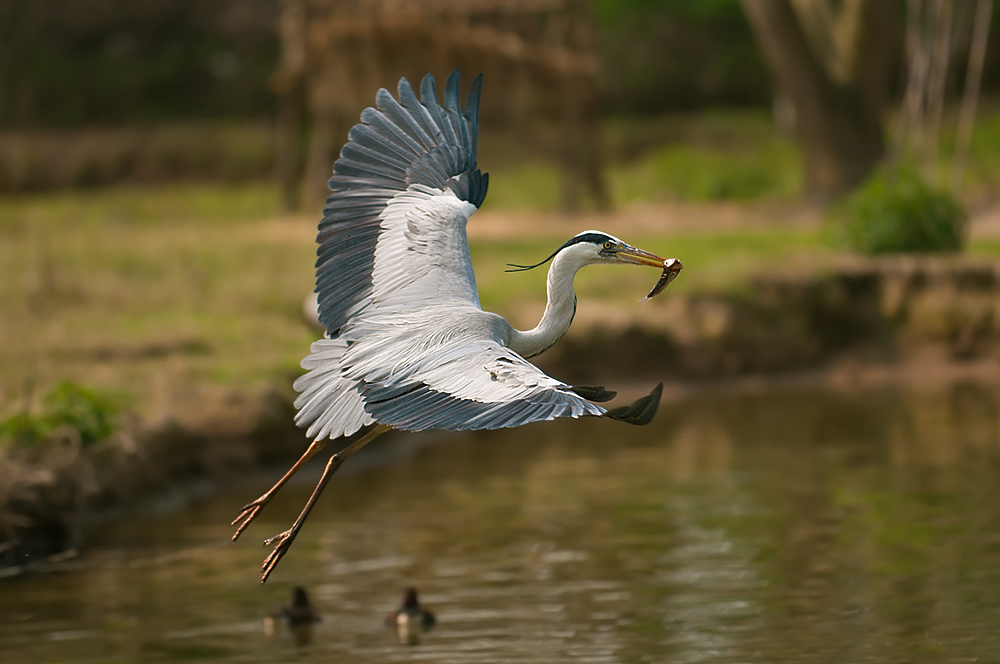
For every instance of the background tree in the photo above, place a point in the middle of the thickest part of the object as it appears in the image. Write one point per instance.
(938, 32)
(832, 61)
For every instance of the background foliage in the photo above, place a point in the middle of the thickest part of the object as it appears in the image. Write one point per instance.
(69, 409)
(896, 210)
(66, 63)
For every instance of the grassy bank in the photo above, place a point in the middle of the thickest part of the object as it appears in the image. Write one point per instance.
(155, 293)
(165, 292)
(178, 296)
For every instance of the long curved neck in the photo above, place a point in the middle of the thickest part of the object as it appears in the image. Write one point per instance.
(559, 309)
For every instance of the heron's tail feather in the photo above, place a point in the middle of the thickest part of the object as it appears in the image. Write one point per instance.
(329, 404)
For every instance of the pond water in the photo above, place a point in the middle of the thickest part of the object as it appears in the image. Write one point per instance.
(787, 525)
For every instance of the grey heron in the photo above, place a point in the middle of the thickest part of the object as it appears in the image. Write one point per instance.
(407, 345)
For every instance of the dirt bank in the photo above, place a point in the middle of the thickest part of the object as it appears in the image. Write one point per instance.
(887, 319)
(50, 496)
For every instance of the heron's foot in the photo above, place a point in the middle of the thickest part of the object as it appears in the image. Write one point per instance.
(281, 542)
(249, 513)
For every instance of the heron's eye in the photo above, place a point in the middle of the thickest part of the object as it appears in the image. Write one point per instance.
(609, 245)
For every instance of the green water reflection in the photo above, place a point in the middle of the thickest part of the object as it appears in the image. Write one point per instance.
(783, 526)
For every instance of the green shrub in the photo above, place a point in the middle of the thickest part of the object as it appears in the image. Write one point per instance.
(23, 428)
(897, 211)
(70, 406)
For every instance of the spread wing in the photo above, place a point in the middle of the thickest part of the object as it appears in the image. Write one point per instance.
(393, 230)
(407, 342)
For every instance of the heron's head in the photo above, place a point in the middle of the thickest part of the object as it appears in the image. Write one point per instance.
(596, 248)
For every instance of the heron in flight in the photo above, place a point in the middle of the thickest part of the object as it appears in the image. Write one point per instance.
(407, 345)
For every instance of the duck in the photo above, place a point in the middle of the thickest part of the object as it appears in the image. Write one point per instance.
(410, 619)
(298, 617)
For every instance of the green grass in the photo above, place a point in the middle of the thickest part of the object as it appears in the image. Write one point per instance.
(984, 152)
(717, 155)
(691, 174)
(984, 247)
(136, 206)
(713, 156)
(151, 291)
(528, 186)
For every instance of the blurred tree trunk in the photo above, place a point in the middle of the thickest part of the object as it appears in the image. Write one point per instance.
(970, 96)
(287, 83)
(327, 133)
(288, 149)
(581, 149)
(832, 62)
(937, 34)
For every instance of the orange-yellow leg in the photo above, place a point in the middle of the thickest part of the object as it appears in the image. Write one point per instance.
(283, 541)
(251, 510)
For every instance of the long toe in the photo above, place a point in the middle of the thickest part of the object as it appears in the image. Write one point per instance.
(281, 542)
(243, 520)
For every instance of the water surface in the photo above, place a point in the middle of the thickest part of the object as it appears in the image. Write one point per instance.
(787, 525)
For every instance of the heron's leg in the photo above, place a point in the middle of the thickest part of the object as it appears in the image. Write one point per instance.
(283, 541)
(251, 510)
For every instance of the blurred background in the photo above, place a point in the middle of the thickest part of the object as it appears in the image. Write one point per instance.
(828, 171)
(102, 92)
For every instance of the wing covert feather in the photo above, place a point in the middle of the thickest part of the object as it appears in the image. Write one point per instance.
(473, 385)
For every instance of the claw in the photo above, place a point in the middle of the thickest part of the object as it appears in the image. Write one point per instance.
(280, 538)
(282, 541)
(249, 513)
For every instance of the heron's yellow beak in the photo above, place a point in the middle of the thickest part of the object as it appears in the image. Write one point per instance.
(629, 254)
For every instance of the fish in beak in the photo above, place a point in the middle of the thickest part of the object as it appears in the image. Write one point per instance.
(671, 268)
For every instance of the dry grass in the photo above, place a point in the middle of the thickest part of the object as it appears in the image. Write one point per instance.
(168, 303)
(48, 160)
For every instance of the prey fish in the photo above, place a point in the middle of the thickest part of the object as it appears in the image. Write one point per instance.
(671, 268)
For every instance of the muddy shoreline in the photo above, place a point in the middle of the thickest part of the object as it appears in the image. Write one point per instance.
(903, 320)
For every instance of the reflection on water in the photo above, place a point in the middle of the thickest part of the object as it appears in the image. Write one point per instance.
(783, 526)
